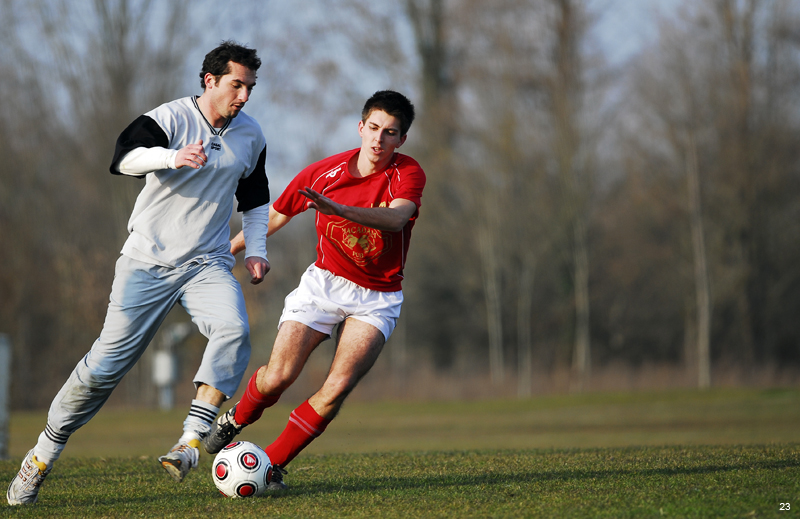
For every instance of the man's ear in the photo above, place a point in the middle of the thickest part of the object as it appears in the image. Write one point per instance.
(402, 140)
(209, 79)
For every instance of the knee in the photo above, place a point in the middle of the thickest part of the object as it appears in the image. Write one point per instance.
(274, 381)
(239, 331)
(227, 334)
(96, 376)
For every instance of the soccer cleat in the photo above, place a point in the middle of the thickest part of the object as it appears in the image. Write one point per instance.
(276, 483)
(24, 488)
(223, 431)
(182, 458)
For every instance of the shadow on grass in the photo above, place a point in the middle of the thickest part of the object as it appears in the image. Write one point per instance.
(168, 496)
(444, 481)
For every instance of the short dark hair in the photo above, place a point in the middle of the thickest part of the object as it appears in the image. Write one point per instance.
(217, 62)
(393, 103)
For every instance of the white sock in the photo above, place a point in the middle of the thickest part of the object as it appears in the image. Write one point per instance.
(49, 446)
(198, 424)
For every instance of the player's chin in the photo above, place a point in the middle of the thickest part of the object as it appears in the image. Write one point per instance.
(377, 156)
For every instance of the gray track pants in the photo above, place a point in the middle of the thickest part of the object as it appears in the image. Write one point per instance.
(141, 297)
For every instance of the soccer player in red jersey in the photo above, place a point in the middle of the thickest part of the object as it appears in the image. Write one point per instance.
(366, 203)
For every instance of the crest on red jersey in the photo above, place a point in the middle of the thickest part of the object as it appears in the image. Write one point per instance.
(359, 243)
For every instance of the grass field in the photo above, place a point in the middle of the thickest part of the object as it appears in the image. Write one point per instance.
(721, 453)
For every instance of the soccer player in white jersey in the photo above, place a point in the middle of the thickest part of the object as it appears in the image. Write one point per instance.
(194, 154)
(366, 202)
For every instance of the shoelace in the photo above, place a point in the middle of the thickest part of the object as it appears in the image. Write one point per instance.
(34, 478)
(278, 473)
(231, 420)
(38, 478)
(183, 448)
(189, 451)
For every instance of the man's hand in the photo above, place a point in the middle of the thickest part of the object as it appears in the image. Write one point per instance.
(321, 203)
(192, 155)
(392, 218)
(257, 267)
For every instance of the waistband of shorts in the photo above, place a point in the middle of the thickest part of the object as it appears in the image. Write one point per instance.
(328, 274)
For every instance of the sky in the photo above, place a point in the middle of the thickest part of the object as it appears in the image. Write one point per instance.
(624, 26)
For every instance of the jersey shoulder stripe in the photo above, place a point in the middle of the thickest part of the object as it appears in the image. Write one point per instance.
(142, 132)
(253, 190)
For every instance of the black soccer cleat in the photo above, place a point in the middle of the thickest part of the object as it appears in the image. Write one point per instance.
(223, 431)
(276, 483)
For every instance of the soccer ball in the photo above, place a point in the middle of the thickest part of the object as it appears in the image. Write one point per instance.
(241, 469)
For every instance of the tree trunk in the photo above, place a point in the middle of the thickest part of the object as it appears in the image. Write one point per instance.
(700, 270)
(491, 290)
(524, 346)
(581, 358)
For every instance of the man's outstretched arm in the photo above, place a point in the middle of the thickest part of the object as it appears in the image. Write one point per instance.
(392, 218)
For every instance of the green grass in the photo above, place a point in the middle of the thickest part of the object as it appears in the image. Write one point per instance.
(722, 453)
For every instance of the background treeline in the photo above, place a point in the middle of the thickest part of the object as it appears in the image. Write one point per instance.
(585, 220)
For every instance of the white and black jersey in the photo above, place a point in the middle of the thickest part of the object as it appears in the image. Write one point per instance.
(182, 214)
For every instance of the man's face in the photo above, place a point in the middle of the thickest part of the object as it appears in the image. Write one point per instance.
(228, 96)
(380, 136)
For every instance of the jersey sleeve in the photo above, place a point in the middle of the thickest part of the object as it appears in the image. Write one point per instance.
(253, 190)
(410, 182)
(291, 202)
(144, 132)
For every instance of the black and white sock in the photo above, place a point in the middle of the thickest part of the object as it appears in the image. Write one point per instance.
(198, 424)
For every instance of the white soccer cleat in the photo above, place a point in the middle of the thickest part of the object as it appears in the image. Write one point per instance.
(24, 488)
(182, 458)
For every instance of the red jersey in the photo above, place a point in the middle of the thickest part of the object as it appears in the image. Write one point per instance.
(369, 257)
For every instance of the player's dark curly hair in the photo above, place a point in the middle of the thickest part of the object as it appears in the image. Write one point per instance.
(393, 103)
(217, 62)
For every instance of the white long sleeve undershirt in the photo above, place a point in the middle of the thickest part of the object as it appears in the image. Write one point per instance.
(255, 224)
(140, 161)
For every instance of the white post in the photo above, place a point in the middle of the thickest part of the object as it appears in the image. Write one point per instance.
(164, 370)
(165, 363)
(5, 388)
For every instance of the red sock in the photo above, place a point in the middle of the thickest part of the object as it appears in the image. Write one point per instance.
(253, 403)
(304, 425)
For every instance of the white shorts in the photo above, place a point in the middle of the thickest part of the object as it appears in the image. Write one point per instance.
(324, 300)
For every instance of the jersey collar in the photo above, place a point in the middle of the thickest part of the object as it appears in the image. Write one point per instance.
(214, 131)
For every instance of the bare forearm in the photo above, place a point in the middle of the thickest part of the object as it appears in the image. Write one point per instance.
(392, 218)
(381, 218)
(237, 243)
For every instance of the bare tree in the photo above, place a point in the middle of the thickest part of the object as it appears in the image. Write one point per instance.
(711, 90)
(702, 290)
(90, 68)
(565, 94)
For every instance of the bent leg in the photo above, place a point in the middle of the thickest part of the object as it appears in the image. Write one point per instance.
(139, 302)
(358, 348)
(214, 300)
(293, 345)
